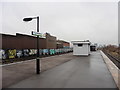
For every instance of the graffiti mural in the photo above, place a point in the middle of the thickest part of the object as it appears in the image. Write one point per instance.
(45, 51)
(3, 54)
(56, 51)
(31, 52)
(60, 50)
(26, 52)
(52, 51)
(35, 51)
(40, 51)
(12, 53)
(19, 53)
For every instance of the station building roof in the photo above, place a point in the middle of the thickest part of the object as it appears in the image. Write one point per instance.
(81, 42)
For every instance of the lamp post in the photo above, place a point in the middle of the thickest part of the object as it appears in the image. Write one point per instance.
(37, 59)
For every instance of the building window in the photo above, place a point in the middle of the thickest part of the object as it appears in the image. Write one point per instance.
(80, 45)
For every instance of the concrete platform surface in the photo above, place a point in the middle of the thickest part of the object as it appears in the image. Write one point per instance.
(81, 72)
(115, 71)
(15, 72)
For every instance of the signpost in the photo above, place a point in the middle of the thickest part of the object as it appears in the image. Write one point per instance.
(38, 34)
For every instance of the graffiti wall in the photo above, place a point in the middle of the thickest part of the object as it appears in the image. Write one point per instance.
(3, 54)
(45, 51)
(52, 51)
(19, 53)
(13, 53)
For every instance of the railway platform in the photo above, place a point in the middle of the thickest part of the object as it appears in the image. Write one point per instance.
(79, 72)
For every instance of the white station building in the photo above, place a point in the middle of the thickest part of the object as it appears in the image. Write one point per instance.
(81, 48)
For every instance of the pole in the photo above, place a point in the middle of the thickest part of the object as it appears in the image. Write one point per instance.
(37, 59)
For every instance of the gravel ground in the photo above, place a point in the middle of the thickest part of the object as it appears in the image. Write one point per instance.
(14, 73)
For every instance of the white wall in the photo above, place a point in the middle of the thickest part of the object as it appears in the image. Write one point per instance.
(83, 50)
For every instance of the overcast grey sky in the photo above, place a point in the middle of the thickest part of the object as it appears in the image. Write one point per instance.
(96, 21)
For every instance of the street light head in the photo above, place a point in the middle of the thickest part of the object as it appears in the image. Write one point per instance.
(27, 19)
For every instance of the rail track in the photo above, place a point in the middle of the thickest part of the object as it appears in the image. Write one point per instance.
(115, 60)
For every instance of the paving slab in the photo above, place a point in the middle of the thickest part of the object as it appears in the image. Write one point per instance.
(15, 72)
(80, 72)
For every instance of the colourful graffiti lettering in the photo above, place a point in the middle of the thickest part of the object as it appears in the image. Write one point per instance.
(45, 51)
(19, 53)
(52, 51)
(26, 52)
(12, 53)
(2, 54)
